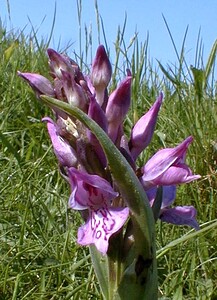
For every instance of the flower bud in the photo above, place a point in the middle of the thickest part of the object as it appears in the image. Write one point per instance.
(117, 107)
(59, 62)
(101, 73)
(73, 91)
(143, 130)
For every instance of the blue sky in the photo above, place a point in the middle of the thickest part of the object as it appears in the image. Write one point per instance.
(142, 16)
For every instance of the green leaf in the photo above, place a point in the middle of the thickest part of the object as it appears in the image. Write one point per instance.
(210, 62)
(185, 238)
(167, 74)
(101, 269)
(198, 81)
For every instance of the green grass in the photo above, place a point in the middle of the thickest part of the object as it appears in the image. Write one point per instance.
(39, 257)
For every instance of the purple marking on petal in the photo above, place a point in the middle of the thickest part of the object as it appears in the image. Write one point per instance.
(89, 191)
(100, 226)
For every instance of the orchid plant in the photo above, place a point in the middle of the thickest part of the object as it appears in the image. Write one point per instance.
(119, 201)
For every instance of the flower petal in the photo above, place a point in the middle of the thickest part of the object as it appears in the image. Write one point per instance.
(89, 191)
(176, 175)
(96, 113)
(169, 195)
(101, 224)
(180, 215)
(40, 84)
(163, 159)
(101, 73)
(73, 91)
(117, 107)
(63, 151)
(143, 130)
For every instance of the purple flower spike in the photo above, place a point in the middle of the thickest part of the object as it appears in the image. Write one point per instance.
(95, 194)
(40, 84)
(143, 130)
(63, 151)
(117, 107)
(101, 73)
(162, 167)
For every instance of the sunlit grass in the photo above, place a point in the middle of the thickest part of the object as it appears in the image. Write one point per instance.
(39, 255)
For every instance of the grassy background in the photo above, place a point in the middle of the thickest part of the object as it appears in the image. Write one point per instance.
(39, 258)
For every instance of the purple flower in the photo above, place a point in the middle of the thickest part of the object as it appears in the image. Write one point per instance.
(40, 84)
(143, 130)
(80, 154)
(64, 152)
(179, 215)
(167, 167)
(95, 194)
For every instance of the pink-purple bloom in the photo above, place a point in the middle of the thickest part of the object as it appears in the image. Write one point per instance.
(82, 159)
(95, 194)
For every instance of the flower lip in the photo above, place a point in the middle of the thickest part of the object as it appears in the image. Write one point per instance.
(100, 226)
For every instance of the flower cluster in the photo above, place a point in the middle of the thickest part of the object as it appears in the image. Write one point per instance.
(82, 160)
